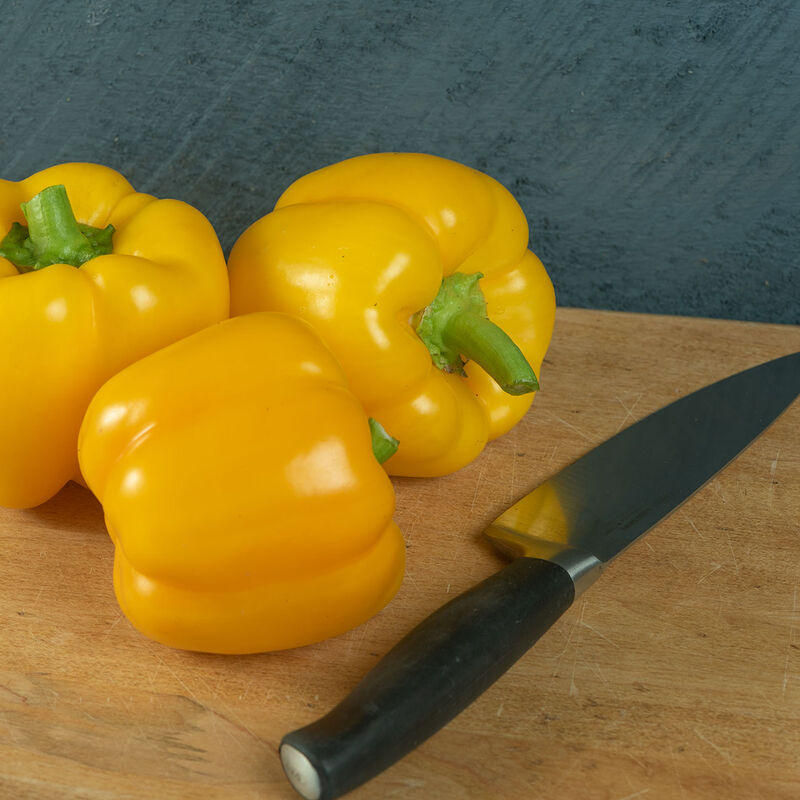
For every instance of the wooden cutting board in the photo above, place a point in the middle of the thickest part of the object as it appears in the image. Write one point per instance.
(676, 676)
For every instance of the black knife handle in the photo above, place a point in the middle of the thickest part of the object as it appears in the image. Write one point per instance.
(431, 675)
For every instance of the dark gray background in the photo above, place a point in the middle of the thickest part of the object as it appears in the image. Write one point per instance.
(654, 146)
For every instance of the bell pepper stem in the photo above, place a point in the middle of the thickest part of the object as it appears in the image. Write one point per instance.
(53, 229)
(384, 446)
(478, 339)
(455, 327)
(53, 235)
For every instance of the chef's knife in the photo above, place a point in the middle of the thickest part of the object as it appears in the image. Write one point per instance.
(562, 534)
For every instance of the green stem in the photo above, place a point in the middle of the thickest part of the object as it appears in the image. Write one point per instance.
(384, 446)
(53, 235)
(455, 327)
(480, 340)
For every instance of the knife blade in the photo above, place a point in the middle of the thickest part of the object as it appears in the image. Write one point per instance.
(561, 536)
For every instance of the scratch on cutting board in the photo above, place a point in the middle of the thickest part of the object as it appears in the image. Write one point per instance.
(573, 687)
(718, 491)
(596, 667)
(230, 716)
(406, 784)
(569, 425)
(722, 752)
(595, 631)
(191, 695)
(153, 673)
(477, 486)
(733, 555)
(53, 696)
(715, 567)
(417, 511)
(112, 626)
(720, 604)
(132, 719)
(628, 411)
(358, 636)
(767, 700)
(694, 527)
(572, 631)
(244, 694)
(640, 763)
(635, 794)
(213, 691)
(728, 775)
(786, 674)
(415, 508)
(233, 719)
(555, 672)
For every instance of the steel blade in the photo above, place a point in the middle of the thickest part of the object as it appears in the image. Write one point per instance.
(608, 498)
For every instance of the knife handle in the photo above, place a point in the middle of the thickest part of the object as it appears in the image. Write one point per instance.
(431, 675)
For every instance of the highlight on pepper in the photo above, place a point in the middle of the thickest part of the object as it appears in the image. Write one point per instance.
(247, 505)
(416, 272)
(93, 275)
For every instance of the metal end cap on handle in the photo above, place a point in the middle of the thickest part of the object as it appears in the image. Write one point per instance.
(301, 772)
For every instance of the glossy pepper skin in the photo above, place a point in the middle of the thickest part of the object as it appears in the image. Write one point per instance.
(238, 482)
(64, 330)
(358, 248)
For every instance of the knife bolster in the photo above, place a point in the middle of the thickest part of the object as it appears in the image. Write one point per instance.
(583, 567)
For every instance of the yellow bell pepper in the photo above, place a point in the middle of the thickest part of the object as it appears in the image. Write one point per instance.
(238, 484)
(79, 300)
(397, 259)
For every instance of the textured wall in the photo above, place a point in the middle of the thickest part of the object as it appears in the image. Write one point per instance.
(654, 146)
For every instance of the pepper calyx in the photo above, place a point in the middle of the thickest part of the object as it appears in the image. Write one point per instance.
(384, 446)
(458, 294)
(53, 235)
(455, 328)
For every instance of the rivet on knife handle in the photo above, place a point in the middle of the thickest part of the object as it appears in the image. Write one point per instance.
(435, 672)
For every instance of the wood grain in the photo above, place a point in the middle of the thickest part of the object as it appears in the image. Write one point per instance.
(676, 676)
